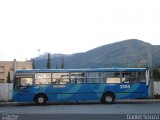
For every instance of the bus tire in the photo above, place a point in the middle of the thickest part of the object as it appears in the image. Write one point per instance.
(41, 99)
(108, 98)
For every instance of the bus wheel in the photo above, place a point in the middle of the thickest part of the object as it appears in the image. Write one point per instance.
(40, 99)
(108, 98)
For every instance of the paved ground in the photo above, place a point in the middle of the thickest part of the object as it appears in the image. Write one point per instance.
(119, 107)
(121, 110)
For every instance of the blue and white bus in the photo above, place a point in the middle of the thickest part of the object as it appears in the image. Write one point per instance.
(64, 85)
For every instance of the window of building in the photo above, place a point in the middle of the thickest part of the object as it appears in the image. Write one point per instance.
(1, 80)
(1, 69)
(11, 69)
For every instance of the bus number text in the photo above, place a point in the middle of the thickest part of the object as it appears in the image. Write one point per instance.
(124, 86)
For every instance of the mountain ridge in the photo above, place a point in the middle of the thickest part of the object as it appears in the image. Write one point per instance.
(126, 53)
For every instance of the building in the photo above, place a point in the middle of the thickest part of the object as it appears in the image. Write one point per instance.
(7, 69)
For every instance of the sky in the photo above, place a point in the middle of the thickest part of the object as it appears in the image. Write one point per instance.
(29, 28)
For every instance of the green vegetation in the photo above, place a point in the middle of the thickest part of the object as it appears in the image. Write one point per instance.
(157, 96)
(33, 64)
(49, 62)
(156, 73)
(9, 77)
(62, 63)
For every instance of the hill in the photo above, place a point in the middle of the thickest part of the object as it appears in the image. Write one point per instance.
(127, 53)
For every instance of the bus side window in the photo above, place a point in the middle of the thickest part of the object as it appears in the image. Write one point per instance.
(77, 78)
(94, 78)
(129, 77)
(60, 78)
(141, 76)
(112, 77)
(42, 78)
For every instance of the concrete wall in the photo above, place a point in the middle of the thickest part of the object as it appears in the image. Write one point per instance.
(6, 90)
(156, 88)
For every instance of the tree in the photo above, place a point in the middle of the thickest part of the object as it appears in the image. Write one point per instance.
(57, 66)
(33, 64)
(49, 62)
(9, 77)
(156, 73)
(62, 62)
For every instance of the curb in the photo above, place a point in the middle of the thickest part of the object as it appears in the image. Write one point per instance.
(141, 100)
(8, 103)
(129, 100)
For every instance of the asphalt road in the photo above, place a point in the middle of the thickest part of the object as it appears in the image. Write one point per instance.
(123, 108)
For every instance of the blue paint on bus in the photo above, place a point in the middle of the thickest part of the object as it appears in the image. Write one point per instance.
(84, 91)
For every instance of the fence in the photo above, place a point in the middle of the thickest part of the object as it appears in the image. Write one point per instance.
(6, 90)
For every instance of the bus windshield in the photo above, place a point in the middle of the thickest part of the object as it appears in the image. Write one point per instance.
(23, 81)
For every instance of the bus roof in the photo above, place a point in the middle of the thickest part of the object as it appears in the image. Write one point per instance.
(83, 70)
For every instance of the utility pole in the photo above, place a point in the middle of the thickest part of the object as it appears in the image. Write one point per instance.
(33, 64)
(151, 70)
(150, 57)
(62, 62)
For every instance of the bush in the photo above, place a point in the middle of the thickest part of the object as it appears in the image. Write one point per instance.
(156, 74)
(157, 96)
